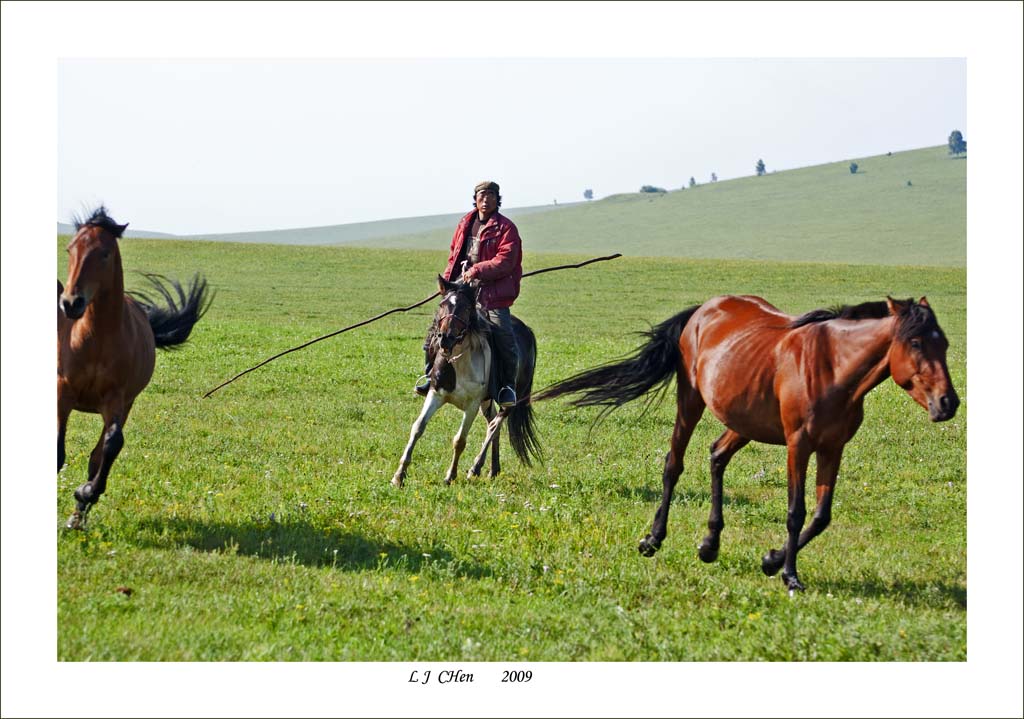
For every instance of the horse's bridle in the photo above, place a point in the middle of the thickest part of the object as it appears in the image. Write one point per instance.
(465, 326)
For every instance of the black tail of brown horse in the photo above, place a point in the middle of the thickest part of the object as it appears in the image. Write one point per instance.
(173, 318)
(616, 383)
(521, 430)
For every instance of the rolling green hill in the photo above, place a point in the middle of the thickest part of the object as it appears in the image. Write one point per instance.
(821, 214)
(356, 233)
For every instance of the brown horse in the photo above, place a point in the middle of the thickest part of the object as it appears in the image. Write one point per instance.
(106, 342)
(774, 378)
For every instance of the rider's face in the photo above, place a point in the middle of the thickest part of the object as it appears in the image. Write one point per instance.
(486, 202)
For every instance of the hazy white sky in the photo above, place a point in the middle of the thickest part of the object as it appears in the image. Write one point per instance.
(191, 146)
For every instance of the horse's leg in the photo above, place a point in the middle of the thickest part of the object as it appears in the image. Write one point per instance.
(493, 429)
(797, 458)
(459, 443)
(496, 461)
(722, 450)
(828, 470)
(100, 461)
(431, 405)
(689, 407)
(63, 412)
(488, 411)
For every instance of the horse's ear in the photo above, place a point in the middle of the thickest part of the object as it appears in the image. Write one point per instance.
(924, 302)
(121, 229)
(896, 307)
(443, 285)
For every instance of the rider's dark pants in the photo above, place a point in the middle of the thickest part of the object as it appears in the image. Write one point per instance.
(505, 344)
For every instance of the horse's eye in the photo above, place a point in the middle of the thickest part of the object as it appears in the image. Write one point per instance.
(915, 344)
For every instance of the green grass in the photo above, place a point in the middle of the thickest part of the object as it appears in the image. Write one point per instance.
(260, 524)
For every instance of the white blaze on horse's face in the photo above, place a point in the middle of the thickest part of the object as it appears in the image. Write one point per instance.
(452, 327)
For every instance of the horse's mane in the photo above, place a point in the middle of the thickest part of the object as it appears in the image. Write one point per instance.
(915, 320)
(98, 218)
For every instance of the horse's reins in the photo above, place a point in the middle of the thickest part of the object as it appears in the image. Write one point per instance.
(458, 338)
(392, 311)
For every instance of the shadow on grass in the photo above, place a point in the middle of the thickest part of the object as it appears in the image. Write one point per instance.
(936, 595)
(300, 542)
(684, 496)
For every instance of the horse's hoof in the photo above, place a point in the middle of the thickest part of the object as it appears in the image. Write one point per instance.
(75, 521)
(708, 551)
(648, 546)
(396, 481)
(792, 583)
(772, 562)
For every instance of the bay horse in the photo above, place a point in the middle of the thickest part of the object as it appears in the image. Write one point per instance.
(774, 378)
(106, 343)
(462, 374)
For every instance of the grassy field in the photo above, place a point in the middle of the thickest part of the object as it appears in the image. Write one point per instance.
(260, 524)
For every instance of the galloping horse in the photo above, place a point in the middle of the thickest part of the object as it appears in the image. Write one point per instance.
(461, 375)
(106, 343)
(778, 379)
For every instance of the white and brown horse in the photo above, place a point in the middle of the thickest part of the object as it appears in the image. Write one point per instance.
(461, 375)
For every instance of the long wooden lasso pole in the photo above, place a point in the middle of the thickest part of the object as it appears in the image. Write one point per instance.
(390, 312)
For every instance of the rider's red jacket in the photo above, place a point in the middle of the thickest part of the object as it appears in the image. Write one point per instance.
(500, 266)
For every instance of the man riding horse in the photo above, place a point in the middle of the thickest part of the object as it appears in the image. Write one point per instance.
(486, 249)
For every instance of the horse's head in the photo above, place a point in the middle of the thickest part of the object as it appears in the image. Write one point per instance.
(917, 358)
(456, 316)
(94, 262)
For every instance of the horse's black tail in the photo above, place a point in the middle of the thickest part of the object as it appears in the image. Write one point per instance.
(521, 431)
(613, 385)
(172, 319)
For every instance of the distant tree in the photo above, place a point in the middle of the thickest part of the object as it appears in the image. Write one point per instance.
(693, 182)
(714, 177)
(909, 183)
(957, 143)
(588, 194)
(853, 168)
(759, 167)
(651, 188)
